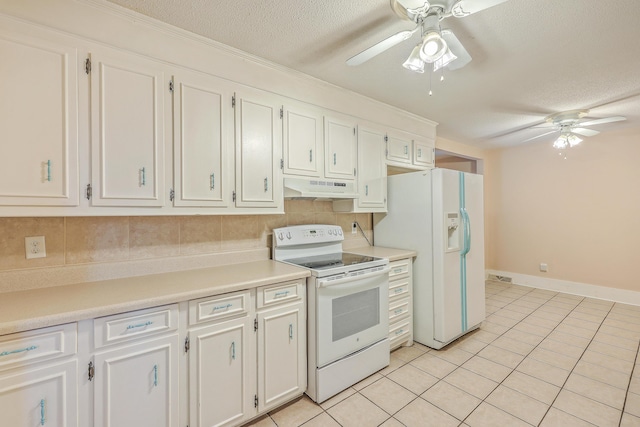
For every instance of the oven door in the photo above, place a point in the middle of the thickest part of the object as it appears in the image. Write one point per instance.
(352, 313)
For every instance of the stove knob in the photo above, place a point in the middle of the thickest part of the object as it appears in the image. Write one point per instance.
(289, 235)
(339, 230)
(280, 236)
(330, 232)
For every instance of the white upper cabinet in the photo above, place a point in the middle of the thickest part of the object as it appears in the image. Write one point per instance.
(424, 150)
(340, 148)
(39, 122)
(258, 150)
(399, 148)
(372, 171)
(203, 140)
(127, 130)
(302, 145)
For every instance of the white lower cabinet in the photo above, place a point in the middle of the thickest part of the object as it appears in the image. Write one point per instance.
(136, 385)
(44, 396)
(400, 303)
(282, 367)
(222, 373)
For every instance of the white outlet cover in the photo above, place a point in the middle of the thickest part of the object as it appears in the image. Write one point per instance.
(34, 247)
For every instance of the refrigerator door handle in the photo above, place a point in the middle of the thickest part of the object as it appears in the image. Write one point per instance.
(466, 239)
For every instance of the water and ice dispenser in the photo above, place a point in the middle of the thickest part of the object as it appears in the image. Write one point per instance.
(452, 225)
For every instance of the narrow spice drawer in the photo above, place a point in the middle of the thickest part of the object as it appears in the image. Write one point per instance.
(279, 294)
(398, 309)
(399, 289)
(133, 325)
(219, 307)
(399, 332)
(38, 345)
(399, 269)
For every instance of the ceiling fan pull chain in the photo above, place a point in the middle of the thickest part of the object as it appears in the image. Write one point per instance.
(430, 79)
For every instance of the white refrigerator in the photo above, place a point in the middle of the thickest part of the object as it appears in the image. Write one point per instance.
(439, 214)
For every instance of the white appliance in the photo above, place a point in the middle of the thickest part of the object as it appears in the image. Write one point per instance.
(347, 306)
(439, 214)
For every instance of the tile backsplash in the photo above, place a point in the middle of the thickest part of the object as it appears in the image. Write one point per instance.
(88, 240)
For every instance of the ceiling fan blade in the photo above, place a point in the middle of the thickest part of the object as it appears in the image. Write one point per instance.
(602, 121)
(380, 47)
(539, 136)
(463, 8)
(457, 49)
(584, 132)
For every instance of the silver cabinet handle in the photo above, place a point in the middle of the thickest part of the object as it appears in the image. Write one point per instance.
(419, 152)
(266, 185)
(310, 155)
(42, 407)
(399, 331)
(366, 190)
(398, 311)
(397, 291)
(143, 177)
(49, 170)
(281, 294)
(22, 350)
(140, 325)
(155, 375)
(334, 158)
(406, 149)
(233, 350)
(290, 331)
(222, 307)
(212, 181)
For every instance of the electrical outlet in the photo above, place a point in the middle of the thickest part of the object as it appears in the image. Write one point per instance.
(354, 228)
(544, 267)
(34, 247)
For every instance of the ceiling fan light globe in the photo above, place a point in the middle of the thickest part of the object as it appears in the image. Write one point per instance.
(573, 140)
(433, 47)
(444, 60)
(413, 62)
(560, 143)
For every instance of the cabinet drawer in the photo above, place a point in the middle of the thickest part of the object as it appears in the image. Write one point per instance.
(278, 294)
(137, 324)
(398, 310)
(399, 288)
(399, 332)
(219, 307)
(38, 345)
(399, 269)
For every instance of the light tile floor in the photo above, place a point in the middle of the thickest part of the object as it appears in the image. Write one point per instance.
(541, 358)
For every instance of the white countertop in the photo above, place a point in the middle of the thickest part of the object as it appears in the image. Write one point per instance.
(37, 308)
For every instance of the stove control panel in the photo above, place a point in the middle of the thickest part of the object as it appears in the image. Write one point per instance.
(307, 234)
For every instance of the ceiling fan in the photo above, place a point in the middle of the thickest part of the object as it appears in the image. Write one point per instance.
(437, 46)
(570, 124)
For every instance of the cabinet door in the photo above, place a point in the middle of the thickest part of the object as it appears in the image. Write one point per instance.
(424, 152)
(203, 138)
(302, 143)
(372, 175)
(40, 397)
(137, 385)
(222, 373)
(39, 122)
(399, 148)
(340, 148)
(258, 151)
(282, 358)
(127, 130)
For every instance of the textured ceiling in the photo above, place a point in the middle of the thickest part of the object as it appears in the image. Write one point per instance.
(531, 58)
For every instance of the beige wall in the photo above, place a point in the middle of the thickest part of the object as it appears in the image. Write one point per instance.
(456, 163)
(580, 215)
(90, 240)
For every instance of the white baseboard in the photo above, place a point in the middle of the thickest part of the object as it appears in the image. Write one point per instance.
(624, 296)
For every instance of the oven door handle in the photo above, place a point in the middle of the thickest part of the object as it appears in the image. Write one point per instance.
(323, 283)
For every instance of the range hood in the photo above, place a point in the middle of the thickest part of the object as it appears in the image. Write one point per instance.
(312, 188)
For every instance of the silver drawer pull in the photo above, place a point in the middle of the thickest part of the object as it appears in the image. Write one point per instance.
(155, 375)
(398, 311)
(49, 170)
(222, 307)
(22, 350)
(281, 294)
(42, 417)
(397, 291)
(399, 332)
(140, 325)
(290, 331)
(398, 270)
(233, 350)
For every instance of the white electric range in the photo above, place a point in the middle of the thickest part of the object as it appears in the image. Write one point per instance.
(348, 303)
